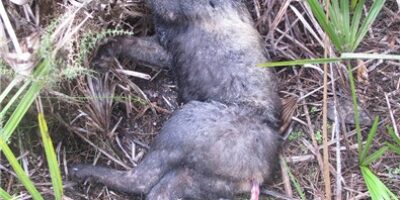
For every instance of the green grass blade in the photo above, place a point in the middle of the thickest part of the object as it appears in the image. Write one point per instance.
(13, 99)
(394, 148)
(344, 56)
(4, 194)
(375, 156)
(320, 15)
(23, 178)
(369, 56)
(26, 101)
(393, 135)
(51, 158)
(371, 136)
(8, 89)
(373, 13)
(377, 189)
(345, 13)
(300, 62)
(353, 4)
(356, 20)
(295, 182)
(356, 112)
(334, 14)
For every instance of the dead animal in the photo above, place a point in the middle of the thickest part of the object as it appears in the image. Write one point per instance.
(224, 140)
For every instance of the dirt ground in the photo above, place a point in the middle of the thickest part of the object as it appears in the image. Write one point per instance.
(88, 127)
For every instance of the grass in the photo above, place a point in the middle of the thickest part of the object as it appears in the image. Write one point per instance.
(345, 27)
(377, 189)
(22, 176)
(4, 194)
(51, 158)
(345, 21)
(24, 97)
(296, 183)
(27, 94)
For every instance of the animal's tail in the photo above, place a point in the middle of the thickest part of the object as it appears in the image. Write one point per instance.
(139, 180)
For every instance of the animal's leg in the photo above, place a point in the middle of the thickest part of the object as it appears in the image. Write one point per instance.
(145, 50)
(185, 183)
(139, 180)
(176, 184)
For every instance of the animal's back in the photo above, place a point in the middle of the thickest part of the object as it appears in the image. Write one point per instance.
(216, 56)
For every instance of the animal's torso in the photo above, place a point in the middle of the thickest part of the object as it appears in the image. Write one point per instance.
(215, 57)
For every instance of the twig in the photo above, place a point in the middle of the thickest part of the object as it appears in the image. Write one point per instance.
(285, 177)
(326, 174)
(336, 134)
(77, 132)
(310, 130)
(391, 115)
(276, 194)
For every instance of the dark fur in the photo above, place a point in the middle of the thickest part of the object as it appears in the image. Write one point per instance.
(225, 136)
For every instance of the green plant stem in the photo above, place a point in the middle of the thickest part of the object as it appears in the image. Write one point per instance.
(346, 56)
(300, 62)
(355, 107)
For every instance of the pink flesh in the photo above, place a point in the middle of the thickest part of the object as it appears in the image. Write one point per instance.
(255, 190)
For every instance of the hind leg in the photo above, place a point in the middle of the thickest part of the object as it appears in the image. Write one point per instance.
(185, 183)
(176, 184)
(144, 50)
(139, 180)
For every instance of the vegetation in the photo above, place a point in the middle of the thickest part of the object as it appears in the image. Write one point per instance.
(345, 22)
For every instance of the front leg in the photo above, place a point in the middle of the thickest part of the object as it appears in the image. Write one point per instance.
(144, 50)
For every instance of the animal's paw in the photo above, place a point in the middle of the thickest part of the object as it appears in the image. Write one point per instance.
(104, 55)
(80, 172)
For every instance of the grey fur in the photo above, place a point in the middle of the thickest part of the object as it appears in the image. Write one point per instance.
(225, 136)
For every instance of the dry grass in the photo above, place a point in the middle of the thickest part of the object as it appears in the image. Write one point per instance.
(91, 127)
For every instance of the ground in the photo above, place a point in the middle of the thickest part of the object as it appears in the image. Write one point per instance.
(118, 131)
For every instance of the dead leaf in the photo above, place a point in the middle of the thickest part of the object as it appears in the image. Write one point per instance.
(362, 73)
(24, 63)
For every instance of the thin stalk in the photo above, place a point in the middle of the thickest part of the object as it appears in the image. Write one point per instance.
(326, 172)
(13, 99)
(355, 107)
(8, 89)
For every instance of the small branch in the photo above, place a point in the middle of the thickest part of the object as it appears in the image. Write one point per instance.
(391, 115)
(285, 177)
